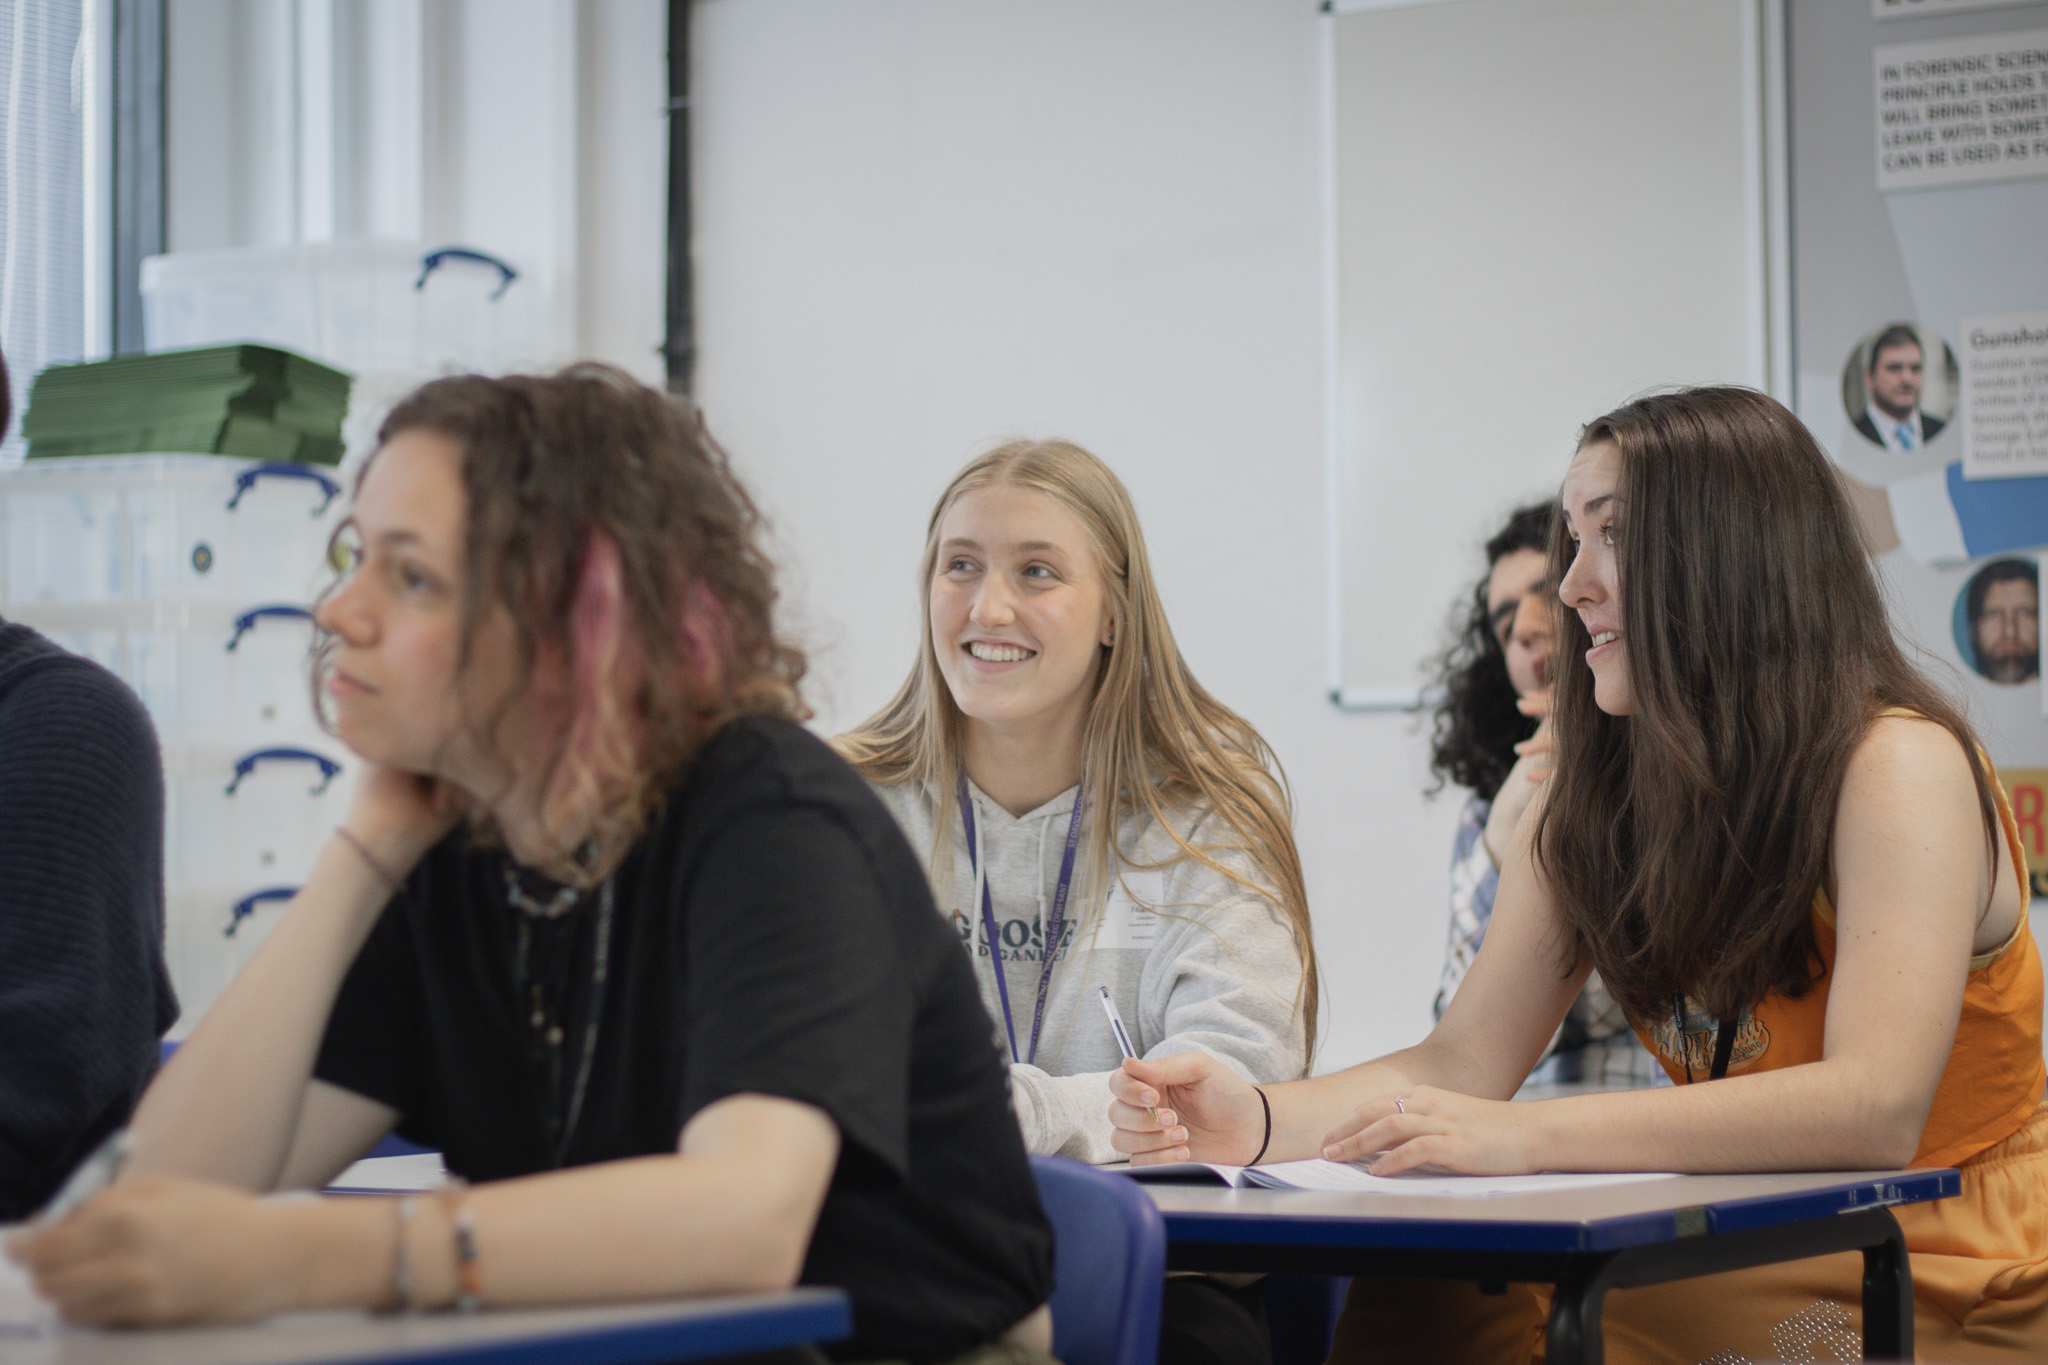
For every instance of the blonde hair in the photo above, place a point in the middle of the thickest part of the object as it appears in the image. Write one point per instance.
(1153, 739)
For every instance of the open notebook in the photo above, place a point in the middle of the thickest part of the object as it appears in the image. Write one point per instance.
(1352, 1176)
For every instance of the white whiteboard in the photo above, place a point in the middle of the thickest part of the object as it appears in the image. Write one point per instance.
(1538, 208)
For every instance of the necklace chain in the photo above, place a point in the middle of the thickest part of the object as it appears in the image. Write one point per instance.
(546, 1022)
(554, 906)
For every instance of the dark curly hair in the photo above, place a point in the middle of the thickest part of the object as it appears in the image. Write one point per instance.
(594, 499)
(1476, 723)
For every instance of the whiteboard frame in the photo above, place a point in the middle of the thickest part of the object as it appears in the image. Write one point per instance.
(1769, 303)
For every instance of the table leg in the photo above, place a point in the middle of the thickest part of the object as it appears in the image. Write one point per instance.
(1573, 1336)
(1888, 1299)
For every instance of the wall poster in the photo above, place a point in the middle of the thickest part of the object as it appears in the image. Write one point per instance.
(1961, 110)
(1918, 195)
(2005, 395)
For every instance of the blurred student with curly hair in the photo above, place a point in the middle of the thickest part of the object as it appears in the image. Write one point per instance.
(1492, 737)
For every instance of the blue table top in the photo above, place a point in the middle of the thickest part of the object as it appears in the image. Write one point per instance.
(1587, 1220)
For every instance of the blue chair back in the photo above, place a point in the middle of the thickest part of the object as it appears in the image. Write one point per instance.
(1109, 1252)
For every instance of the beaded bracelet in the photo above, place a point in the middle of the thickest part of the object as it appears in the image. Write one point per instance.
(469, 1281)
(470, 1296)
(1267, 1140)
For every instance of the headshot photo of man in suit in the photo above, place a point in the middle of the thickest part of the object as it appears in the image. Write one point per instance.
(1893, 381)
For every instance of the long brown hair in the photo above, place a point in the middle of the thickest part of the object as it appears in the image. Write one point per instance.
(1154, 738)
(1684, 843)
(605, 518)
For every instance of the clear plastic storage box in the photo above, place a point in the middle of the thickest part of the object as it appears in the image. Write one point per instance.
(191, 577)
(368, 305)
(107, 529)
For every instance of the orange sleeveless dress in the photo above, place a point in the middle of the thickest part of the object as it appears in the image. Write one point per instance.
(1995, 1075)
(1980, 1260)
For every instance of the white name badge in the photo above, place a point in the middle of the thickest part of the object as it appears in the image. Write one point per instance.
(1127, 919)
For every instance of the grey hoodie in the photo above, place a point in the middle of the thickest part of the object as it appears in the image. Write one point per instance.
(1192, 959)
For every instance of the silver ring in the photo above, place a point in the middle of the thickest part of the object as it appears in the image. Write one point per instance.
(1399, 1107)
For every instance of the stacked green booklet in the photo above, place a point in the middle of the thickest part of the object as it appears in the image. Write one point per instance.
(256, 401)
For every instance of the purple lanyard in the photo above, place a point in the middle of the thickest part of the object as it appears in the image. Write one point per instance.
(1055, 928)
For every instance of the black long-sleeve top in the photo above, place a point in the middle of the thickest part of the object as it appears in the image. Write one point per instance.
(84, 993)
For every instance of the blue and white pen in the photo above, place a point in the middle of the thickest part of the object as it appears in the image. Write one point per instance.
(1123, 1035)
(91, 1176)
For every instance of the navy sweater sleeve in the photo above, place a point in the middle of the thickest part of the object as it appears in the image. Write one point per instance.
(84, 993)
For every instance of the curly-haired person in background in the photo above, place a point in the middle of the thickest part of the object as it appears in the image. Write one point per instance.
(1492, 737)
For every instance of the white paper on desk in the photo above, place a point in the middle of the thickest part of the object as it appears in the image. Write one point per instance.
(22, 1313)
(1345, 1175)
(1350, 1176)
(412, 1174)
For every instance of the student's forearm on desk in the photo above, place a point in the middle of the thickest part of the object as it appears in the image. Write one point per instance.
(652, 1227)
(1827, 1115)
(732, 1214)
(1843, 1113)
(1305, 1112)
(226, 1106)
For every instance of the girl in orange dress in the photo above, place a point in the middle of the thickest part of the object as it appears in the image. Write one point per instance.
(1783, 851)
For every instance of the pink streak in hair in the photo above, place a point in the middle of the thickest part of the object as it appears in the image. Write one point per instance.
(706, 633)
(607, 672)
(609, 665)
(606, 669)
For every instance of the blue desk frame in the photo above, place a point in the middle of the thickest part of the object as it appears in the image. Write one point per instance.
(623, 1334)
(1584, 1242)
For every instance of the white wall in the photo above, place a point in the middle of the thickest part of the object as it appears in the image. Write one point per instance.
(922, 226)
(1444, 275)
(925, 225)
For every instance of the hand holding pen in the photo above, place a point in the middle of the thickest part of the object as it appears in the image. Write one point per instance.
(1205, 1112)
(1123, 1035)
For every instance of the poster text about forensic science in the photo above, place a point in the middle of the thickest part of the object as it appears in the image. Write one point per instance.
(1962, 110)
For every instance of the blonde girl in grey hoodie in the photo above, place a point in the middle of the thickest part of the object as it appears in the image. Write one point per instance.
(1078, 794)
(1093, 819)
